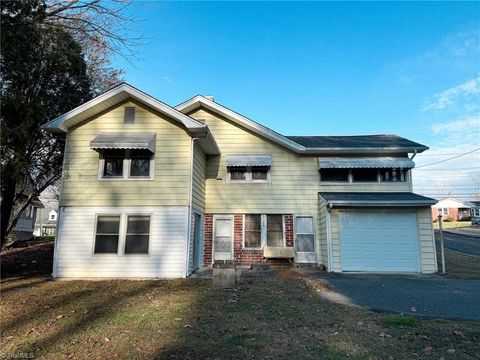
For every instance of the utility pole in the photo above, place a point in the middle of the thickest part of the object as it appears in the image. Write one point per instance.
(440, 228)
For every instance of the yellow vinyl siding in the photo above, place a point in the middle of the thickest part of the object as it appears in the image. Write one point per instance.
(295, 181)
(198, 188)
(81, 186)
(428, 258)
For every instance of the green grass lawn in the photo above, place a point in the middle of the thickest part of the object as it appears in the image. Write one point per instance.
(452, 224)
(277, 316)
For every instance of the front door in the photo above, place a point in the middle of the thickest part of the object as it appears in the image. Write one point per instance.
(305, 240)
(197, 233)
(223, 237)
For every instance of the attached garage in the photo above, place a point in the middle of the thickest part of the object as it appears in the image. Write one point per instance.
(379, 241)
(378, 232)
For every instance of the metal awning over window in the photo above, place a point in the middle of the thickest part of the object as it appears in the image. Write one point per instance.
(384, 162)
(144, 141)
(249, 160)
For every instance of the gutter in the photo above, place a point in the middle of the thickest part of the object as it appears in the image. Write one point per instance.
(353, 203)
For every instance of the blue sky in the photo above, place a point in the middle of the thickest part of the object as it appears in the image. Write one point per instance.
(339, 68)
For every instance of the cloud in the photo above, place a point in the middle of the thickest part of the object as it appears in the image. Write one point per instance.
(468, 125)
(167, 79)
(447, 98)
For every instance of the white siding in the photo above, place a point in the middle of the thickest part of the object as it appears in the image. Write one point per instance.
(74, 256)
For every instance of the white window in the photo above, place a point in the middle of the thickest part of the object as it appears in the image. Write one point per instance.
(53, 217)
(475, 212)
(109, 237)
(304, 234)
(443, 211)
(119, 164)
(363, 175)
(248, 174)
(263, 230)
(107, 234)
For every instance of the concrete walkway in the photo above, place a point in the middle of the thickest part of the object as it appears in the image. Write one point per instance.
(429, 296)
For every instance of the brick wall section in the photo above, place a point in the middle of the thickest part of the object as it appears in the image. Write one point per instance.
(289, 230)
(207, 239)
(242, 256)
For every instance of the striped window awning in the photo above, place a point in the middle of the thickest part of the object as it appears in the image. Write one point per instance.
(249, 160)
(385, 162)
(145, 141)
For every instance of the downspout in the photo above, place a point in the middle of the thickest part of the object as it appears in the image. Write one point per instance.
(189, 221)
(329, 239)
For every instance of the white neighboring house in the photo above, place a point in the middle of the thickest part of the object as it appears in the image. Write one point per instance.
(46, 223)
(25, 226)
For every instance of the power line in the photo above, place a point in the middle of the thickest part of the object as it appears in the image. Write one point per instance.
(455, 157)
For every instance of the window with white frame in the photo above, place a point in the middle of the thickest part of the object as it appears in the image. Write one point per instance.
(363, 175)
(107, 234)
(248, 174)
(263, 230)
(443, 211)
(475, 212)
(304, 234)
(109, 237)
(126, 164)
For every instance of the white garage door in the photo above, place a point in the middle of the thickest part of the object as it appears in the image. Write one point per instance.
(379, 241)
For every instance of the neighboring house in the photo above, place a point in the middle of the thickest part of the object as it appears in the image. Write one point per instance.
(46, 222)
(154, 191)
(25, 226)
(475, 208)
(452, 210)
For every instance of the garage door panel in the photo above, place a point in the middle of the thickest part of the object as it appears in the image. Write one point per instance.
(378, 241)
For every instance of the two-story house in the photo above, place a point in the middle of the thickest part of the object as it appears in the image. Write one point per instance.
(154, 191)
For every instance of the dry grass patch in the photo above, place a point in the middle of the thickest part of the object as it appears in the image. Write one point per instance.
(458, 265)
(277, 317)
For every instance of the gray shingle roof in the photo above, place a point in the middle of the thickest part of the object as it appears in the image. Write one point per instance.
(376, 199)
(358, 141)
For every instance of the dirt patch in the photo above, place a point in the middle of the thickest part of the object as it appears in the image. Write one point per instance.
(33, 260)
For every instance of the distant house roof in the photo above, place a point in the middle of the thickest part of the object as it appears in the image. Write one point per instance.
(386, 142)
(383, 199)
(475, 203)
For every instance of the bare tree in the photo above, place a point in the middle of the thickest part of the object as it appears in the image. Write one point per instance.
(103, 30)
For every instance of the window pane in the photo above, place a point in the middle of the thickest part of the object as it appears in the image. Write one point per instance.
(237, 173)
(334, 175)
(305, 243)
(364, 174)
(304, 225)
(138, 225)
(140, 162)
(252, 222)
(223, 227)
(108, 224)
(259, 173)
(392, 175)
(136, 244)
(253, 239)
(113, 167)
(106, 244)
(274, 230)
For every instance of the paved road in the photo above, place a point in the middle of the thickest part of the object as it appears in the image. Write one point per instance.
(429, 296)
(462, 243)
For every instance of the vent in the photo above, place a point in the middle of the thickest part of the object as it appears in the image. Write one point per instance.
(129, 115)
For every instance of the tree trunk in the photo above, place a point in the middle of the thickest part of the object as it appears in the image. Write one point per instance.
(8, 199)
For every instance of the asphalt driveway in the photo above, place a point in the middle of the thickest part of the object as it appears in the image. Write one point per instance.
(430, 296)
(462, 243)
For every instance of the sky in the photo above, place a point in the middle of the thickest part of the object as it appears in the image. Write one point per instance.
(328, 68)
